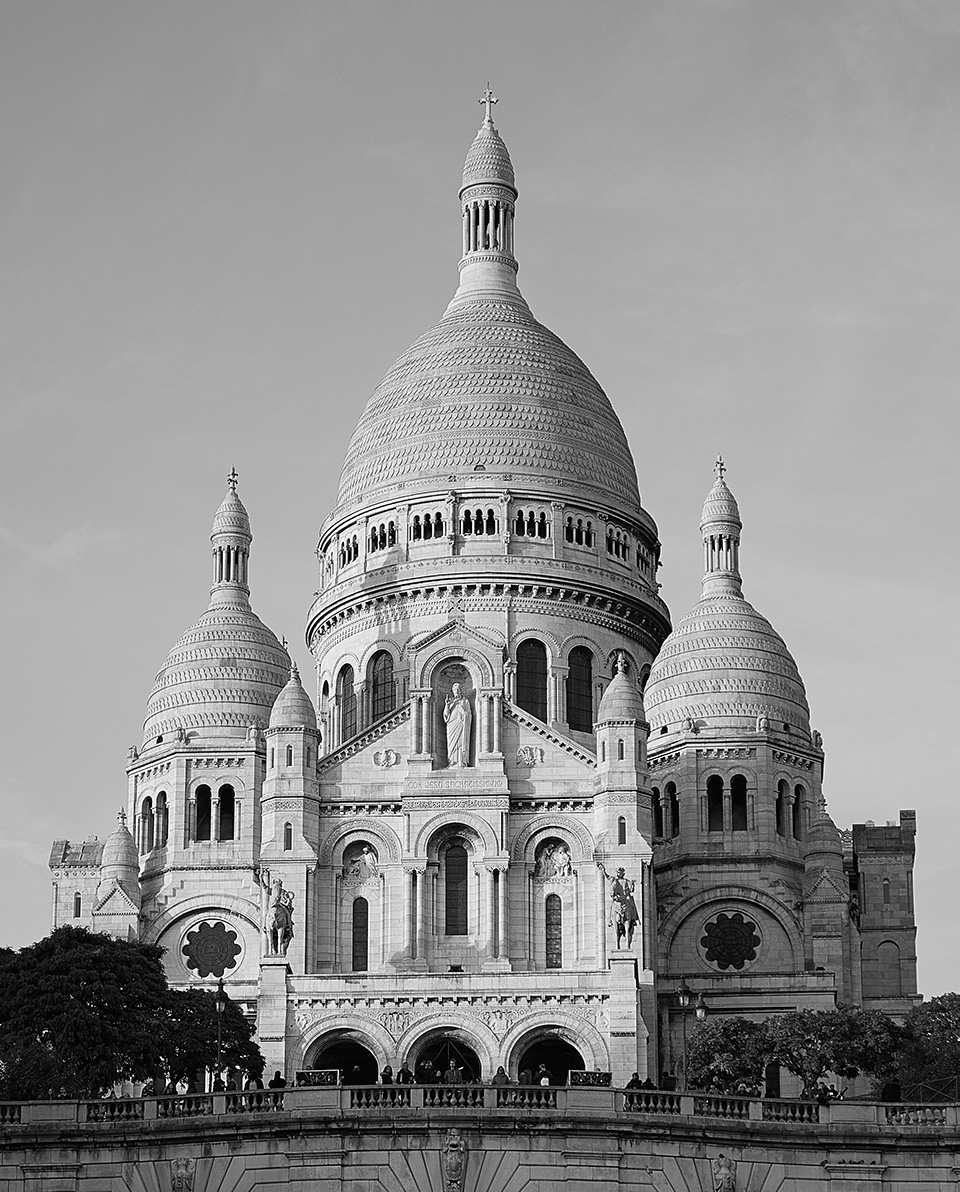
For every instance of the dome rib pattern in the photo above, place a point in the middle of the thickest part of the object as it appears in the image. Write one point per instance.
(489, 385)
(488, 160)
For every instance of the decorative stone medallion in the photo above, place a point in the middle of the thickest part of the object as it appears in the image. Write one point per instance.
(211, 949)
(729, 941)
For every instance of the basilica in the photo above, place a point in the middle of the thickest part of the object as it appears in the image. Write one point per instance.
(518, 818)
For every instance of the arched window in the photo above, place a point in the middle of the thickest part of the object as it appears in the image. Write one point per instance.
(674, 799)
(491, 522)
(309, 756)
(289, 756)
(715, 803)
(146, 825)
(455, 890)
(798, 794)
(287, 837)
(532, 678)
(361, 934)
(438, 525)
(620, 750)
(783, 791)
(202, 813)
(417, 531)
(228, 808)
(553, 914)
(382, 685)
(163, 820)
(76, 906)
(542, 526)
(738, 803)
(580, 690)
(657, 812)
(621, 830)
(347, 703)
(888, 970)
(886, 891)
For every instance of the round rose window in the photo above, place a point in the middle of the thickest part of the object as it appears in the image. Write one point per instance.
(730, 941)
(211, 949)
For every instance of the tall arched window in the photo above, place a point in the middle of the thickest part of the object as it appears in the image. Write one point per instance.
(798, 793)
(361, 934)
(146, 825)
(455, 891)
(202, 804)
(553, 914)
(228, 808)
(76, 906)
(715, 803)
(738, 803)
(383, 689)
(532, 678)
(163, 820)
(783, 789)
(673, 796)
(657, 812)
(347, 703)
(289, 756)
(888, 970)
(580, 690)
(287, 837)
(621, 830)
(885, 886)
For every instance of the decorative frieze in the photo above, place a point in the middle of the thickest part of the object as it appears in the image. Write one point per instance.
(792, 759)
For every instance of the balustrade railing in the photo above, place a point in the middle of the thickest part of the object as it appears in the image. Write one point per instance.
(717, 1106)
(778, 1109)
(189, 1105)
(916, 1115)
(526, 1096)
(114, 1111)
(461, 1096)
(649, 1101)
(382, 1096)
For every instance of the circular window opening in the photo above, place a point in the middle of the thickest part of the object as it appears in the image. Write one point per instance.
(730, 941)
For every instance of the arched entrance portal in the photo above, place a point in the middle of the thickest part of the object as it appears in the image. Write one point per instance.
(555, 1054)
(357, 1065)
(435, 1059)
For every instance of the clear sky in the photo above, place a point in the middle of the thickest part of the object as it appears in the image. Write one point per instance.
(220, 223)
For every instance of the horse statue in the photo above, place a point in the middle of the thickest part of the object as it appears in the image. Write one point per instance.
(277, 915)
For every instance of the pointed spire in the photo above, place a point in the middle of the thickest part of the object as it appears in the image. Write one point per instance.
(231, 537)
(720, 527)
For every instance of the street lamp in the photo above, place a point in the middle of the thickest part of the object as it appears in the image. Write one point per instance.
(684, 998)
(221, 1004)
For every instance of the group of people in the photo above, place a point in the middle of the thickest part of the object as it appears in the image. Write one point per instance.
(453, 1074)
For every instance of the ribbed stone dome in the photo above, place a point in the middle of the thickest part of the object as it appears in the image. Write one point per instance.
(621, 700)
(489, 388)
(224, 673)
(293, 707)
(487, 160)
(726, 665)
(120, 853)
(231, 517)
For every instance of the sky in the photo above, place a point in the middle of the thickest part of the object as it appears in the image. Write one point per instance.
(221, 222)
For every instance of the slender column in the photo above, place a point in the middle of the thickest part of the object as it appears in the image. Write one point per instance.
(466, 230)
(502, 912)
(727, 809)
(192, 821)
(497, 716)
(489, 912)
(215, 817)
(602, 918)
(419, 877)
(482, 723)
(415, 735)
(409, 942)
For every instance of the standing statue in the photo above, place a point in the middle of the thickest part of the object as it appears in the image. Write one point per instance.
(545, 863)
(562, 864)
(276, 914)
(724, 1174)
(458, 717)
(624, 915)
(453, 1161)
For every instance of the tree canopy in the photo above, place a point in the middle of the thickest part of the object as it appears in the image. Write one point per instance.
(80, 1011)
(933, 1055)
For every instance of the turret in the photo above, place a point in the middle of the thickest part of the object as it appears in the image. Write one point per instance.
(621, 736)
(116, 909)
(231, 538)
(293, 743)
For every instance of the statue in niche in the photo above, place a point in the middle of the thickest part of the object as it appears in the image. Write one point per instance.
(276, 911)
(624, 915)
(362, 865)
(458, 717)
(554, 861)
(724, 1174)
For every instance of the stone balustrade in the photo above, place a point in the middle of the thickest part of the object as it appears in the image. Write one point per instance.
(587, 1102)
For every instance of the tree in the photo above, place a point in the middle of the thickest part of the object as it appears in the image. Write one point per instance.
(728, 1055)
(80, 1011)
(931, 1053)
(813, 1043)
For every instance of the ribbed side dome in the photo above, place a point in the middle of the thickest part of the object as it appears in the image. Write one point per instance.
(293, 707)
(120, 853)
(621, 700)
(231, 517)
(487, 160)
(726, 665)
(489, 387)
(224, 673)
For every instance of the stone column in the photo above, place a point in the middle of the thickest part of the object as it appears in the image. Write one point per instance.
(419, 876)
(496, 713)
(602, 919)
(409, 941)
(556, 529)
(215, 817)
(502, 949)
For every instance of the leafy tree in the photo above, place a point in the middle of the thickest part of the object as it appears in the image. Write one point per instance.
(931, 1054)
(813, 1043)
(728, 1055)
(80, 1011)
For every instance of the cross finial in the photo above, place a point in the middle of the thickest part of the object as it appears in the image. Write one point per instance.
(489, 99)
(122, 818)
(284, 642)
(621, 663)
(719, 467)
(232, 479)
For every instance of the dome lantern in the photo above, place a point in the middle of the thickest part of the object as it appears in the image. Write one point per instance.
(720, 526)
(231, 538)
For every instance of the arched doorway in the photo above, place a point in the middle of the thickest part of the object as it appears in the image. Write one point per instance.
(555, 1054)
(435, 1057)
(357, 1064)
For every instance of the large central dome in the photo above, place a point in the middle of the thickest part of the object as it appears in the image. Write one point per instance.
(489, 389)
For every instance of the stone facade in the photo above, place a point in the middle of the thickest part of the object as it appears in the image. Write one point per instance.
(522, 809)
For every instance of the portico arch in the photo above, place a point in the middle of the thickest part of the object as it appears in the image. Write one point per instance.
(467, 1030)
(449, 820)
(526, 840)
(576, 1031)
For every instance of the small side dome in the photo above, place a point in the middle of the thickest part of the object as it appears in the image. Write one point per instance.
(720, 508)
(232, 517)
(488, 160)
(293, 707)
(119, 852)
(822, 836)
(621, 700)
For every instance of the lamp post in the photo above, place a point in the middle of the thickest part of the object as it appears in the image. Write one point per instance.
(684, 998)
(221, 1005)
